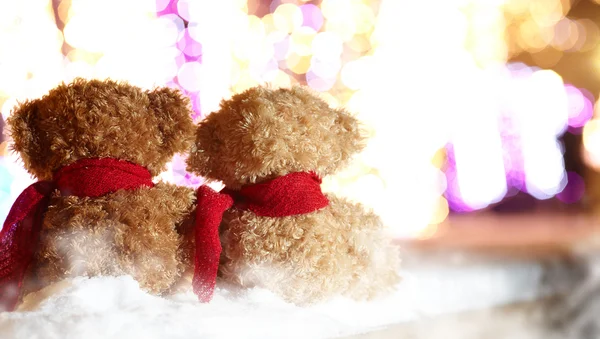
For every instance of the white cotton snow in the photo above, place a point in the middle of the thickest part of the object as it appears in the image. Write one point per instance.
(115, 307)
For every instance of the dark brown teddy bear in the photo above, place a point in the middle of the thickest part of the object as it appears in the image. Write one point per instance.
(98, 144)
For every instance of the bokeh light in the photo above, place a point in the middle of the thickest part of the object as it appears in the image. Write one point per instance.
(454, 125)
(574, 189)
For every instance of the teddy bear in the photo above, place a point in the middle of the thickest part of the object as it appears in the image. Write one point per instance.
(270, 148)
(95, 146)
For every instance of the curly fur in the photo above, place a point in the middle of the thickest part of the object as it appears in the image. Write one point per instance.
(265, 133)
(121, 233)
(127, 232)
(94, 118)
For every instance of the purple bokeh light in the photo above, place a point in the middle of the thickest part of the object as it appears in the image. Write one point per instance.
(581, 108)
(191, 53)
(177, 11)
(574, 190)
(164, 7)
(180, 174)
(274, 4)
(512, 155)
(281, 44)
(195, 100)
(183, 9)
(318, 83)
(312, 16)
(190, 47)
(452, 193)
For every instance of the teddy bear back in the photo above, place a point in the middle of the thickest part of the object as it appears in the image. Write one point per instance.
(102, 216)
(100, 118)
(263, 133)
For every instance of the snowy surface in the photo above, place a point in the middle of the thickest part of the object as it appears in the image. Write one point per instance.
(115, 307)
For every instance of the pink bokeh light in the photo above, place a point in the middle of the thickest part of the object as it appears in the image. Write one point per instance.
(312, 16)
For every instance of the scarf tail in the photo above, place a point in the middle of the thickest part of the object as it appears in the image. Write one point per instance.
(19, 240)
(20, 234)
(209, 212)
(292, 194)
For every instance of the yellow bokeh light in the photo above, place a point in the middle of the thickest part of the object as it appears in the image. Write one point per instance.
(565, 6)
(365, 19)
(287, 17)
(250, 44)
(428, 231)
(439, 158)
(301, 40)
(485, 38)
(530, 37)
(348, 17)
(244, 82)
(34, 62)
(330, 8)
(81, 30)
(269, 23)
(82, 55)
(517, 7)
(330, 99)
(64, 12)
(354, 57)
(281, 79)
(441, 211)
(359, 43)
(256, 28)
(591, 143)
(592, 34)
(345, 29)
(298, 64)
(546, 13)
(535, 24)
(241, 4)
(4, 148)
(591, 136)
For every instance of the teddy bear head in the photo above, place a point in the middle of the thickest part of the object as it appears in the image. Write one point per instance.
(263, 133)
(99, 119)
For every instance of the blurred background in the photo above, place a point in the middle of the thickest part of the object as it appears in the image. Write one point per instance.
(473, 106)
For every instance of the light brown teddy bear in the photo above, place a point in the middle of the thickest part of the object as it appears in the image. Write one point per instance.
(270, 147)
(95, 147)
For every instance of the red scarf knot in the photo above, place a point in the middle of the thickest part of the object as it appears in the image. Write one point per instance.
(19, 237)
(291, 194)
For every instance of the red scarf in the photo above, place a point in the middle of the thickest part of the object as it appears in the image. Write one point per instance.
(19, 238)
(292, 194)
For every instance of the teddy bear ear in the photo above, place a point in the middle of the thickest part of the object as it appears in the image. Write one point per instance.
(23, 130)
(201, 154)
(352, 135)
(173, 113)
